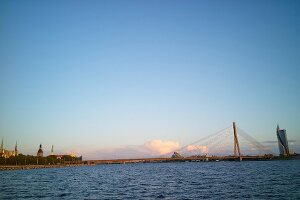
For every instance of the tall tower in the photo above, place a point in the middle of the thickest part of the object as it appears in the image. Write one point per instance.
(52, 153)
(282, 142)
(236, 144)
(16, 149)
(2, 149)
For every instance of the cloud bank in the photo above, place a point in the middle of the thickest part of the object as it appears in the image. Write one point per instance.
(160, 147)
(197, 148)
(153, 148)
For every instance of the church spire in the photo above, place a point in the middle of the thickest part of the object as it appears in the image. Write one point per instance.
(40, 151)
(52, 153)
(2, 148)
(16, 149)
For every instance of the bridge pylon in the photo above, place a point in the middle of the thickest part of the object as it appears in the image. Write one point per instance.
(236, 144)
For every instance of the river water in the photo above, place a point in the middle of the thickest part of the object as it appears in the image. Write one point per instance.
(199, 180)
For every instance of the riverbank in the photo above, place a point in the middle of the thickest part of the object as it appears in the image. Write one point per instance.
(25, 167)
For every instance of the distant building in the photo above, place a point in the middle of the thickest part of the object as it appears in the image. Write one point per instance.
(68, 158)
(282, 142)
(65, 157)
(40, 152)
(6, 153)
(176, 155)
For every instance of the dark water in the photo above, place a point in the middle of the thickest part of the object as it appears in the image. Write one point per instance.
(204, 180)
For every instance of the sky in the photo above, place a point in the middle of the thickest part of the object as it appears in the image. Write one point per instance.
(131, 78)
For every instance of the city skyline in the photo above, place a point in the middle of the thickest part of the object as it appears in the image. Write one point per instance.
(159, 148)
(93, 78)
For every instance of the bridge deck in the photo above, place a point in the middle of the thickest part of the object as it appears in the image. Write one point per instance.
(198, 158)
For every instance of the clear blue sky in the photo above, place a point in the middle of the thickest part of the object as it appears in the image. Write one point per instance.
(100, 74)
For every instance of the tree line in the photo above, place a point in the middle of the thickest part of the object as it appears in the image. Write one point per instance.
(35, 160)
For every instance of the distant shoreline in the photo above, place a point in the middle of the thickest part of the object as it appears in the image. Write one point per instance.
(25, 167)
(144, 160)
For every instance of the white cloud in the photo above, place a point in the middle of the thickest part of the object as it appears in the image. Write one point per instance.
(198, 148)
(161, 147)
(153, 148)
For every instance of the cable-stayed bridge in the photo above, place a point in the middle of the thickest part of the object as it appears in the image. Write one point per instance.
(231, 143)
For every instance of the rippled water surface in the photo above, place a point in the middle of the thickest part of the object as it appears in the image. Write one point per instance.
(203, 180)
